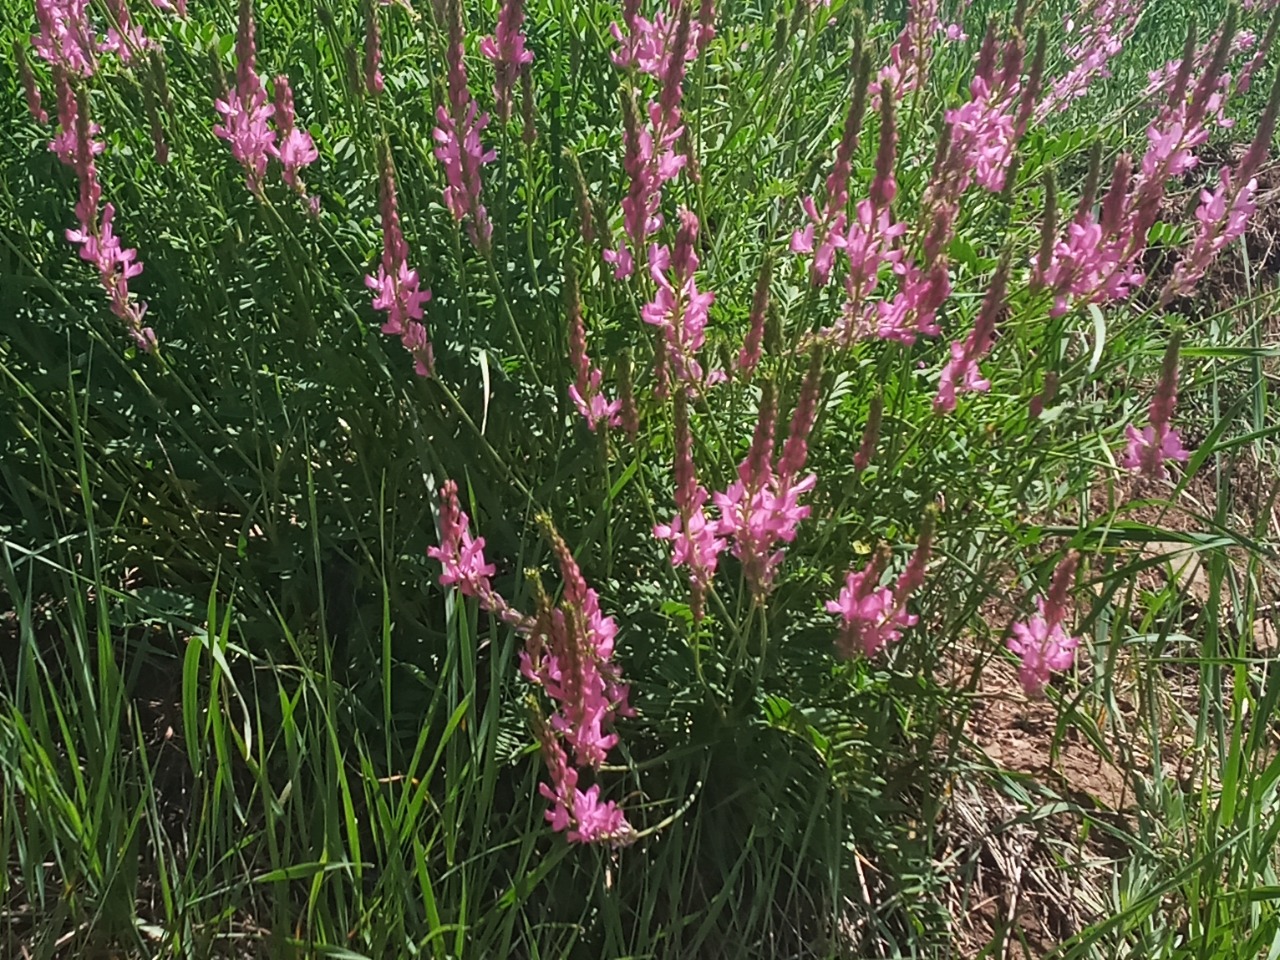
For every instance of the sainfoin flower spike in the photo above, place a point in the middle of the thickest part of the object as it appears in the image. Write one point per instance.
(679, 310)
(1041, 642)
(569, 654)
(507, 52)
(94, 234)
(1150, 448)
(462, 558)
(586, 391)
(691, 532)
(872, 615)
(245, 110)
(396, 286)
(962, 373)
(30, 89)
(296, 148)
(457, 135)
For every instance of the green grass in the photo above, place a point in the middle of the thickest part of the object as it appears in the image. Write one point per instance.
(239, 717)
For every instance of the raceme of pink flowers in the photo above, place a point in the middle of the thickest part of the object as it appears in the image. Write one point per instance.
(679, 309)
(396, 286)
(569, 654)
(1148, 449)
(245, 109)
(457, 135)
(1041, 642)
(507, 52)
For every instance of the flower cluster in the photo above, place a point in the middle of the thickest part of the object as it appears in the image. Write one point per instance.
(762, 508)
(507, 52)
(569, 654)
(245, 109)
(1098, 258)
(586, 392)
(1041, 642)
(679, 309)
(648, 45)
(1101, 28)
(694, 538)
(296, 149)
(1149, 448)
(457, 135)
(396, 286)
(872, 616)
(94, 232)
(651, 158)
(962, 374)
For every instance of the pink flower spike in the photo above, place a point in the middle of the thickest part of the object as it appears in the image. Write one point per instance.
(1041, 642)
(1043, 648)
(871, 618)
(296, 148)
(1149, 449)
(372, 52)
(396, 286)
(507, 52)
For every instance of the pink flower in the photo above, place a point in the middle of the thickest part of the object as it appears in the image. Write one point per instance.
(123, 36)
(678, 309)
(874, 616)
(586, 390)
(1222, 217)
(506, 50)
(871, 618)
(396, 286)
(65, 38)
(116, 267)
(372, 52)
(1043, 647)
(296, 149)
(1041, 642)
(1149, 448)
(580, 815)
(1105, 26)
(459, 150)
(245, 110)
(962, 372)
(462, 558)
(30, 88)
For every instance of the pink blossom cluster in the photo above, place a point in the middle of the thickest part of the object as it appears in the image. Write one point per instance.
(464, 566)
(912, 53)
(1151, 447)
(985, 130)
(679, 309)
(507, 52)
(67, 38)
(124, 37)
(762, 508)
(569, 653)
(30, 88)
(824, 233)
(1161, 82)
(962, 373)
(457, 136)
(873, 616)
(1221, 218)
(245, 109)
(373, 82)
(295, 148)
(396, 286)
(1097, 260)
(1101, 28)
(586, 391)
(651, 158)
(1041, 642)
(648, 45)
(94, 232)
(695, 542)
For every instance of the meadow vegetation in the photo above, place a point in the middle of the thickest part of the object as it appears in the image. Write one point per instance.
(558, 479)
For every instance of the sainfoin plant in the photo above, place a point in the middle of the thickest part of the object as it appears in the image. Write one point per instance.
(757, 384)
